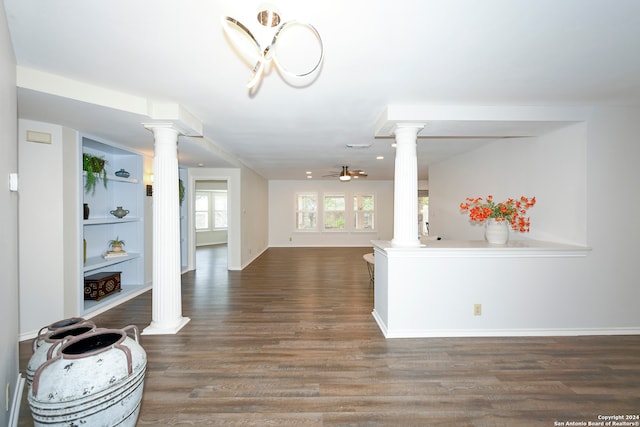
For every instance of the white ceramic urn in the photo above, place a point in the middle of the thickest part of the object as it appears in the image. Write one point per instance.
(95, 379)
(44, 345)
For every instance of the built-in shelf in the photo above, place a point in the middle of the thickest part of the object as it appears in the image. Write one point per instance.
(101, 227)
(113, 300)
(114, 178)
(111, 220)
(97, 262)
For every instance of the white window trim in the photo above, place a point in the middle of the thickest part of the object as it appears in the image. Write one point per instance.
(346, 209)
(213, 211)
(349, 212)
(208, 229)
(295, 212)
(375, 211)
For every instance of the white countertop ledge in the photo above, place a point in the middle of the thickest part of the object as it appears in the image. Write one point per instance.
(472, 248)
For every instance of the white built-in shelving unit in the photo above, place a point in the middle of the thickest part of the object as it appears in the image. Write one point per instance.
(102, 226)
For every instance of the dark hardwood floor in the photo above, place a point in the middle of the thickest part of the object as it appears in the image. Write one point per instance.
(291, 341)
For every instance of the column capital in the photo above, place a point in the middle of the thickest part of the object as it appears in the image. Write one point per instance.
(164, 125)
(408, 128)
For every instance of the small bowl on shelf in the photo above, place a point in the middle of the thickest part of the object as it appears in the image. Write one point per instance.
(122, 173)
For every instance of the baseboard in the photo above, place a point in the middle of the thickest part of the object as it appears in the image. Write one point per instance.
(14, 414)
(380, 322)
(460, 333)
(252, 259)
(291, 245)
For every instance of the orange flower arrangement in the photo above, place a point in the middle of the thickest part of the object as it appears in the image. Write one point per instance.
(511, 210)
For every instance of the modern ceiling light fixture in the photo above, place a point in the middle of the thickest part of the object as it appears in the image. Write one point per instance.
(299, 34)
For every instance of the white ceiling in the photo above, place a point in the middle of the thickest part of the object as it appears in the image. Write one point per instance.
(377, 53)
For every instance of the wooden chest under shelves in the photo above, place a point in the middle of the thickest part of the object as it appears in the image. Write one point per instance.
(100, 285)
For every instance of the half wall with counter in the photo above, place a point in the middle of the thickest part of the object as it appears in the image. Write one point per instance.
(472, 288)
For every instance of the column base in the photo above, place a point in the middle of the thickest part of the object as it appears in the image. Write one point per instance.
(165, 328)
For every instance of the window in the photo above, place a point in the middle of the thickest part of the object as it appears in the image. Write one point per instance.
(219, 209)
(363, 212)
(306, 211)
(211, 210)
(334, 210)
(423, 212)
(202, 210)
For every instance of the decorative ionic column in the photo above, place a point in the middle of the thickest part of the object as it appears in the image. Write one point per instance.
(167, 297)
(405, 210)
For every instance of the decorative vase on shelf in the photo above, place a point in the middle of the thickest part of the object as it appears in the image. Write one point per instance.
(496, 232)
(119, 212)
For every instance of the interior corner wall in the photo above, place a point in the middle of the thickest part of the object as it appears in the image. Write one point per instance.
(282, 227)
(9, 366)
(255, 215)
(552, 167)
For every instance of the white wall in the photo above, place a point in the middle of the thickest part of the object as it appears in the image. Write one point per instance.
(8, 220)
(524, 288)
(282, 230)
(613, 231)
(585, 178)
(255, 218)
(551, 167)
(42, 235)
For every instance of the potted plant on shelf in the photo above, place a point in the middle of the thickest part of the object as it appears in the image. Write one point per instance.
(497, 216)
(94, 166)
(116, 244)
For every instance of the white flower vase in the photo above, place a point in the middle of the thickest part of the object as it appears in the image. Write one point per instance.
(496, 232)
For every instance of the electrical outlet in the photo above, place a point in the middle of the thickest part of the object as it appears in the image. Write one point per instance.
(477, 309)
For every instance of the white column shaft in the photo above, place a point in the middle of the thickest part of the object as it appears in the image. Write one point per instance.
(405, 203)
(167, 297)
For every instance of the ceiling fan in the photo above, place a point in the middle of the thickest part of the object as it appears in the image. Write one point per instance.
(345, 174)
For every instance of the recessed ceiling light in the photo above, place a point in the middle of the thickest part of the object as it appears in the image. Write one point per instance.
(308, 172)
(200, 165)
(380, 158)
(393, 145)
(309, 177)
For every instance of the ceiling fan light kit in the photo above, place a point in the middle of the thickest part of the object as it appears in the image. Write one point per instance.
(243, 40)
(345, 175)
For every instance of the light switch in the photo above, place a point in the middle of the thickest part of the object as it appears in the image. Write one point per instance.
(13, 182)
